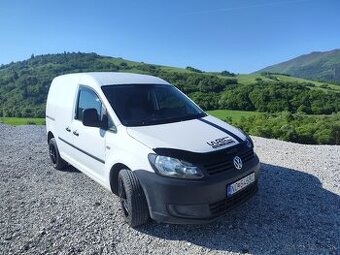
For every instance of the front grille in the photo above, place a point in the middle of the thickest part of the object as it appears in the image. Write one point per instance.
(226, 164)
(220, 207)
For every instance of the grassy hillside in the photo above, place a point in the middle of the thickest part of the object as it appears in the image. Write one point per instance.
(322, 66)
(252, 78)
(24, 85)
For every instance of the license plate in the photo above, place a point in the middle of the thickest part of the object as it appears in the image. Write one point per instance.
(240, 184)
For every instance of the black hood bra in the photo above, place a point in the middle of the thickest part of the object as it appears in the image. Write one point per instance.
(200, 158)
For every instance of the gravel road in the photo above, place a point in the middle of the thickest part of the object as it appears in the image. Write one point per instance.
(42, 210)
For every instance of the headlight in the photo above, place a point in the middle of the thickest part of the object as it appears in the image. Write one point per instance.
(173, 167)
(249, 142)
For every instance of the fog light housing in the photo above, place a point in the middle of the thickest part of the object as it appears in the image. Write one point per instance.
(189, 211)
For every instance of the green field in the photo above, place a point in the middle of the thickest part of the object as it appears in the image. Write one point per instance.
(234, 115)
(22, 121)
(221, 114)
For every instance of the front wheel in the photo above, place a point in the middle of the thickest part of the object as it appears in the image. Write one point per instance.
(57, 161)
(132, 199)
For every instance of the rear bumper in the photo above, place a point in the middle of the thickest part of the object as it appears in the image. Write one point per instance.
(181, 201)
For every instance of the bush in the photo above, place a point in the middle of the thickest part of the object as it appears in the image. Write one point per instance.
(193, 69)
(226, 73)
(294, 127)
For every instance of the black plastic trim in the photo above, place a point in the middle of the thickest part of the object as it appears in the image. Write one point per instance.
(202, 157)
(86, 153)
(49, 117)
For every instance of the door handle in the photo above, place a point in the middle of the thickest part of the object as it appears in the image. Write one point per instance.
(68, 129)
(75, 133)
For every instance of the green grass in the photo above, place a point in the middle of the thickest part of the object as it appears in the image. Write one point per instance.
(14, 121)
(234, 115)
(221, 114)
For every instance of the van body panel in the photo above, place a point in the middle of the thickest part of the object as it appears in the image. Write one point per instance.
(132, 156)
(182, 135)
(90, 143)
(107, 78)
(237, 132)
(62, 96)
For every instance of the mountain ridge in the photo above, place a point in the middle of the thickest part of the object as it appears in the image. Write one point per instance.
(317, 65)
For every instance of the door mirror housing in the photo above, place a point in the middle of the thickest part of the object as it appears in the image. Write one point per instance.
(90, 118)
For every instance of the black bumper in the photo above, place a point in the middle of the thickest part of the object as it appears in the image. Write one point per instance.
(181, 201)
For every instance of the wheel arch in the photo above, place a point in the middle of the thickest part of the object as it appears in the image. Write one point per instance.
(114, 176)
(49, 136)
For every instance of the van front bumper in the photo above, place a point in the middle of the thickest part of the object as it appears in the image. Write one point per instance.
(182, 201)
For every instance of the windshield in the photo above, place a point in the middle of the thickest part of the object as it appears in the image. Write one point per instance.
(150, 104)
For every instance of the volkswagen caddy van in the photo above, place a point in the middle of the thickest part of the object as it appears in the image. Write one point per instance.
(144, 140)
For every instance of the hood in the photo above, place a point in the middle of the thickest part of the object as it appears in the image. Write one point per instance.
(198, 135)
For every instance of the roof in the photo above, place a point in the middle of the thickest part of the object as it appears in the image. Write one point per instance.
(116, 78)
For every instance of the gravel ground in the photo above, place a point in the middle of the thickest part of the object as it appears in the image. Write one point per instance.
(43, 210)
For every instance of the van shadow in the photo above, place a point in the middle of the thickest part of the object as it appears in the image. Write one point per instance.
(70, 169)
(290, 214)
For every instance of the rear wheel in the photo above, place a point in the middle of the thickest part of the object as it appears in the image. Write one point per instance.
(132, 199)
(57, 161)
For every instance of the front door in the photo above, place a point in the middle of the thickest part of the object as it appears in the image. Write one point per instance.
(89, 142)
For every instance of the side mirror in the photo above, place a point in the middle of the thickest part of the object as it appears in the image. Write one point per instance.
(90, 118)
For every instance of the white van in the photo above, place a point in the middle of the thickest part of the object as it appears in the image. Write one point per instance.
(144, 140)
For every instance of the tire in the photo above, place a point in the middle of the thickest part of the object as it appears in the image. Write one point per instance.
(57, 161)
(132, 199)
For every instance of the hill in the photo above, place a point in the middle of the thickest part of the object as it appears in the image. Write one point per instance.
(320, 66)
(24, 85)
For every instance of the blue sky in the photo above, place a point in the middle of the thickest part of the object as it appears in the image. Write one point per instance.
(237, 35)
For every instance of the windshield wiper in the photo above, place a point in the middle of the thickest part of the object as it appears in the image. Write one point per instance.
(155, 121)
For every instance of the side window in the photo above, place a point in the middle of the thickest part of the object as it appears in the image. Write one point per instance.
(87, 99)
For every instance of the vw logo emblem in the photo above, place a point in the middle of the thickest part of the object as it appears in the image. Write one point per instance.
(238, 163)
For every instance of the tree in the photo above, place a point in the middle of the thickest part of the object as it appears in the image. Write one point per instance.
(193, 69)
